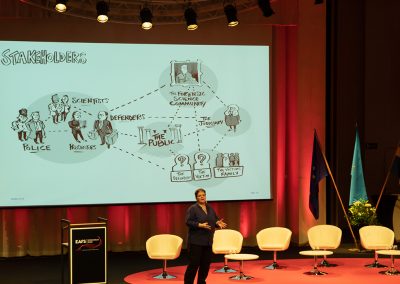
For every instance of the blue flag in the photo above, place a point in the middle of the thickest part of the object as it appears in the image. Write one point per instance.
(396, 164)
(357, 186)
(318, 172)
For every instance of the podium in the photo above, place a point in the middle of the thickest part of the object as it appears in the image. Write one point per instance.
(86, 247)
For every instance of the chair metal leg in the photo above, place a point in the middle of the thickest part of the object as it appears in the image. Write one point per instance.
(325, 262)
(375, 264)
(226, 268)
(392, 270)
(241, 275)
(315, 270)
(164, 274)
(274, 265)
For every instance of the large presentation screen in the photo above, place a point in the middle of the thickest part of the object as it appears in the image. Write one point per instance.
(91, 123)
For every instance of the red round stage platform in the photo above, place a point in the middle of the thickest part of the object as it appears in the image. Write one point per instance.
(349, 270)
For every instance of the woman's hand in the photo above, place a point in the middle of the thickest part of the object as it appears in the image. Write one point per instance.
(205, 226)
(220, 223)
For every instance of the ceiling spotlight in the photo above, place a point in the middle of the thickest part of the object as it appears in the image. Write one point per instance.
(191, 19)
(231, 15)
(145, 17)
(102, 11)
(265, 7)
(61, 6)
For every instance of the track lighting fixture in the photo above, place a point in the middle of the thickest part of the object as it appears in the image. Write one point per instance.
(61, 6)
(102, 11)
(265, 7)
(145, 13)
(145, 17)
(191, 19)
(231, 15)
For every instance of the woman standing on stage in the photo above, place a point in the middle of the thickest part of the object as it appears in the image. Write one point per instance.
(202, 221)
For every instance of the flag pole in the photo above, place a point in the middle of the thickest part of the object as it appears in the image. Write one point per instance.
(387, 177)
(340, 199)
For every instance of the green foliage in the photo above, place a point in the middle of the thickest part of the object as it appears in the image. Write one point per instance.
(362, 213)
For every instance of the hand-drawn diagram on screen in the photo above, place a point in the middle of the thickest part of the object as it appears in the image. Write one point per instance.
(72, 127)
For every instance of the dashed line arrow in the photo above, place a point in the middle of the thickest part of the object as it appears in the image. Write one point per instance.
(208, 86)
(137, 99)
(82, 110)
(173, 118)
(140, 158)
(59, 131)
(194, 132)
(197, 131)
(222, 138)
(126, 134)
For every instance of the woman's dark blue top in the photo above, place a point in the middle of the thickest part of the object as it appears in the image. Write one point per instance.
(196, 215)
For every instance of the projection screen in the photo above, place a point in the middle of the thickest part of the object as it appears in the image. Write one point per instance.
(94, 123)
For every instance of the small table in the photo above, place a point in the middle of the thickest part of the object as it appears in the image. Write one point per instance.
(241, 257)
(316, 253)
(392, 270)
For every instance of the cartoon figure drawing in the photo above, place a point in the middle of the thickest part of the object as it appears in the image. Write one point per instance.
(64, 108)
(36, 128)
(182, 170)
(75, 125)
(103, 127)
(228, 163)
(181, 163)
(225, 160)
(55, 108)
(219, 161)
(232, 118)
(237, 159)
(232, 160)
(185, 77)
(201, 161)
(20, 125)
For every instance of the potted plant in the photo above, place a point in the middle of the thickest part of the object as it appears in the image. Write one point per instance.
(362, 213)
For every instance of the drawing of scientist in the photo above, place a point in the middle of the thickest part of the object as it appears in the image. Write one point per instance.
(20, 125)
(36, 128)
(64, 107)
(103, 127)
(185, 77)
(55, 108)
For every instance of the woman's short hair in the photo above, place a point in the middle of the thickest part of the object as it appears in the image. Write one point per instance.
(199, 190)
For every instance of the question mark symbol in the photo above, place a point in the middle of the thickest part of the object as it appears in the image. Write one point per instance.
(181, 159)
(201, 157)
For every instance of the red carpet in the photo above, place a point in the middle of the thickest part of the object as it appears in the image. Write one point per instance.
(349, 270)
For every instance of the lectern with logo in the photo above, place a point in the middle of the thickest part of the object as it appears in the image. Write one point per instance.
(87, 251)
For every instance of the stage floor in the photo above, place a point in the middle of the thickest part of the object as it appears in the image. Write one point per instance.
(136, 266)
(349, 270)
